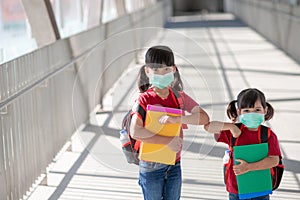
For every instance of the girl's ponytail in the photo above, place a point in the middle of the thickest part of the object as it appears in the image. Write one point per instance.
(231, 110)
(177, 84)
(143, 80)
(270, 112)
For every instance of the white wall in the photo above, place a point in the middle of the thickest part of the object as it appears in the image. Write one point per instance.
(277, 22)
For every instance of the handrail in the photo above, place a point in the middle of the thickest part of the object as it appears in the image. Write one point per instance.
(36, 121)
(24, 90)
(11, 98)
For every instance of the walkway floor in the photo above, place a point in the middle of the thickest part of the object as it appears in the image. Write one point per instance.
(217, 56)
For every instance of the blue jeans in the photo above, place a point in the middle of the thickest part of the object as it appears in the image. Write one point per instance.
(160, 181)
(236, 197)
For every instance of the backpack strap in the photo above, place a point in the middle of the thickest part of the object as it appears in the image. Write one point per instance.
(180, 103)
(277, 171)
(179, 99)
(233, 140)
(264, 133)
(232, 143)
(140, 110)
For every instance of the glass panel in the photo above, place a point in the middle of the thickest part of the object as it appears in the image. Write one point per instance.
(15, 34)
(129, 6)
(91, 12)
(109, 11)
(134, 5)
(68, 15)
(74, 16)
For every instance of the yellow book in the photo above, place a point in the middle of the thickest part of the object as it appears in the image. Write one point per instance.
(158, 152)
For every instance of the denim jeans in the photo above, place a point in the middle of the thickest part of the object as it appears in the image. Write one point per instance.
(160, 181)
(236, 197)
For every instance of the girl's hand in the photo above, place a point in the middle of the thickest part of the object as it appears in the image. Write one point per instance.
(214, 126)
(165, 119)
(175, 144)
(241, 168)
(217, 126)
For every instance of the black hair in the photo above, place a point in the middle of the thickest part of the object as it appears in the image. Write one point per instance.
(156, 57)
(246, 99)
(159, 55)
(143, 80)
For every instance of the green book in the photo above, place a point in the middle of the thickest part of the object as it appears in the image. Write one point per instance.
(254, 183)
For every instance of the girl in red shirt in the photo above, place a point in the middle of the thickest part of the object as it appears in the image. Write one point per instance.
(251, 109)
(156, 81)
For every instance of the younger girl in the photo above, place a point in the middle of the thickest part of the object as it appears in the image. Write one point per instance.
(251, 109)
(156, 81)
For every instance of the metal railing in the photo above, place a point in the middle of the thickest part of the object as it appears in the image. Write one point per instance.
(45, 95)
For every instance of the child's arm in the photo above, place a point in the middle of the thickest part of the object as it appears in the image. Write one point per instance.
(217, 126)
(138, 132)
(266, 163)
(197, 117)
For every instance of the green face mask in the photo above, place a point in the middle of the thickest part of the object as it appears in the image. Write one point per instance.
(252, 120)
(161, 81)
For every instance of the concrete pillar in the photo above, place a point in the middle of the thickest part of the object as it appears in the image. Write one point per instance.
(101, 11)
(42, 21)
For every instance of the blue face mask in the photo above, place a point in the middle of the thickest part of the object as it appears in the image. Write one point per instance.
(252, 120)
(161, 81)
